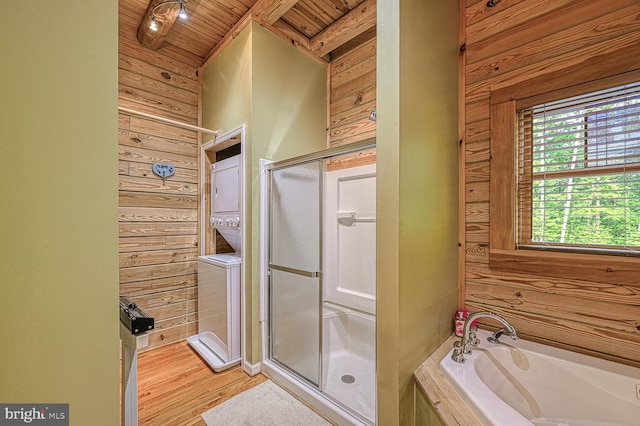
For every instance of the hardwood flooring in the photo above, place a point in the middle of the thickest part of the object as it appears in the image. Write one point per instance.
(175, 386)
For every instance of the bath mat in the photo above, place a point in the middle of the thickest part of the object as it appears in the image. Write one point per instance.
(264, 405)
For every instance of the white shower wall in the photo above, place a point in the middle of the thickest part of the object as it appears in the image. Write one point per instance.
(349, 233)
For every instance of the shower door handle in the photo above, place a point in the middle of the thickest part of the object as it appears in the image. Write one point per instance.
(310, 274)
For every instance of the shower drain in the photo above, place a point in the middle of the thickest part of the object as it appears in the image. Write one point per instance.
(348, 378)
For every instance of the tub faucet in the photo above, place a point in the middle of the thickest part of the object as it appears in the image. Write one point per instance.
(469, 339)
(494, 338)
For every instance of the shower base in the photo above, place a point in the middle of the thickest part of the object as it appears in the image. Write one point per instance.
(359, 395)
(349, 370)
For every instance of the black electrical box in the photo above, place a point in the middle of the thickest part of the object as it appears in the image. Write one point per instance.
(134, 318)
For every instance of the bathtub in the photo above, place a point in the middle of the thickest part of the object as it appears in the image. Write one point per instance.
(524, 383)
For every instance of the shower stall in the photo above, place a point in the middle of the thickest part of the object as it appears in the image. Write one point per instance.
(319, 282)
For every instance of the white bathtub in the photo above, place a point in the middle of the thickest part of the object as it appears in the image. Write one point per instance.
(524, 383)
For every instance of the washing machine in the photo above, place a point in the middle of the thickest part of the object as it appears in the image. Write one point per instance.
(218, 338)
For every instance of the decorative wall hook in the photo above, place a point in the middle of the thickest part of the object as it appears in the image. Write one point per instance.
(163, 170)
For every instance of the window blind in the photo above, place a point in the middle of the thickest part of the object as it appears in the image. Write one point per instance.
(579, 171)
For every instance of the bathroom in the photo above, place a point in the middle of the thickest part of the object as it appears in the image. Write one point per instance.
(423, 252)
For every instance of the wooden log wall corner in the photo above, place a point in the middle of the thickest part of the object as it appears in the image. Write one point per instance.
(165, 16)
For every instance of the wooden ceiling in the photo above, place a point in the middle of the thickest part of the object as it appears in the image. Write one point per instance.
(317, 26)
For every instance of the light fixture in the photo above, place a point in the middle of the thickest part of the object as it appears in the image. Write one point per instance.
(153, 25)
(183, 12)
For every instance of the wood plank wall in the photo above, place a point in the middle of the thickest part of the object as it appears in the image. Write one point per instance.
(514, 41)
(352, 97)
(158, 219)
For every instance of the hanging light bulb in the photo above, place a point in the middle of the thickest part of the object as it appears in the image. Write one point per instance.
(183, 12)
(153, 26)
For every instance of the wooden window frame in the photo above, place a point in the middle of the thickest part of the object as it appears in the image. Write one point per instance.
(504, 255)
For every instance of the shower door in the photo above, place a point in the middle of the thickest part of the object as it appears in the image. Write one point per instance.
(295, 281)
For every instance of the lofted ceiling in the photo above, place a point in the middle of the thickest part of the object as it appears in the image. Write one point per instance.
(318, 26)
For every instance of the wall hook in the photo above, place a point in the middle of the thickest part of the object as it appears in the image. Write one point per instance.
(163, 170)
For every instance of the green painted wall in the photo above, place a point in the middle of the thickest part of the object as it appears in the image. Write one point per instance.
(226, 104)
(226, 86)
(417, 196)
(280, 94)
(289, 119)
(59, 215)
(289, 99)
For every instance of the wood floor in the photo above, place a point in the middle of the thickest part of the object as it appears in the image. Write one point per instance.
(175, 386)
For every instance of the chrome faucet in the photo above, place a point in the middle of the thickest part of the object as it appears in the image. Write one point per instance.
(469, 339)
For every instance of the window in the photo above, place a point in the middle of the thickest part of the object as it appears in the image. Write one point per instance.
(564, 190)
(579, 172)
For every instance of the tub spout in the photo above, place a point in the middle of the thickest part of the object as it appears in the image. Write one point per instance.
(465, 345)
(494, 338)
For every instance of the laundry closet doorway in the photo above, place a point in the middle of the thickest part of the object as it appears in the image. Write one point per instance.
(221, 281)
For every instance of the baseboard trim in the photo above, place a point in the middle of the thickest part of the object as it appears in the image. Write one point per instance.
(251, 369)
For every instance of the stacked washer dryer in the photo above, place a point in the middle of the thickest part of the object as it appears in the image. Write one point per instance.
(218, 338)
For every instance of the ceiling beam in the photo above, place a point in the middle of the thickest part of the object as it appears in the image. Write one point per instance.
(357, 21)
(165, 17)
(293, 37)
(271, 10)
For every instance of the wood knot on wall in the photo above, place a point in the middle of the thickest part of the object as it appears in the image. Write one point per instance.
(358, 99)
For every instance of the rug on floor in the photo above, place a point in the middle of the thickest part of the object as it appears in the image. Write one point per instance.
(266, 404)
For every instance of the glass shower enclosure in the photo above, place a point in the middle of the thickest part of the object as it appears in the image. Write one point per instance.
(302, 325)
(295, 269)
